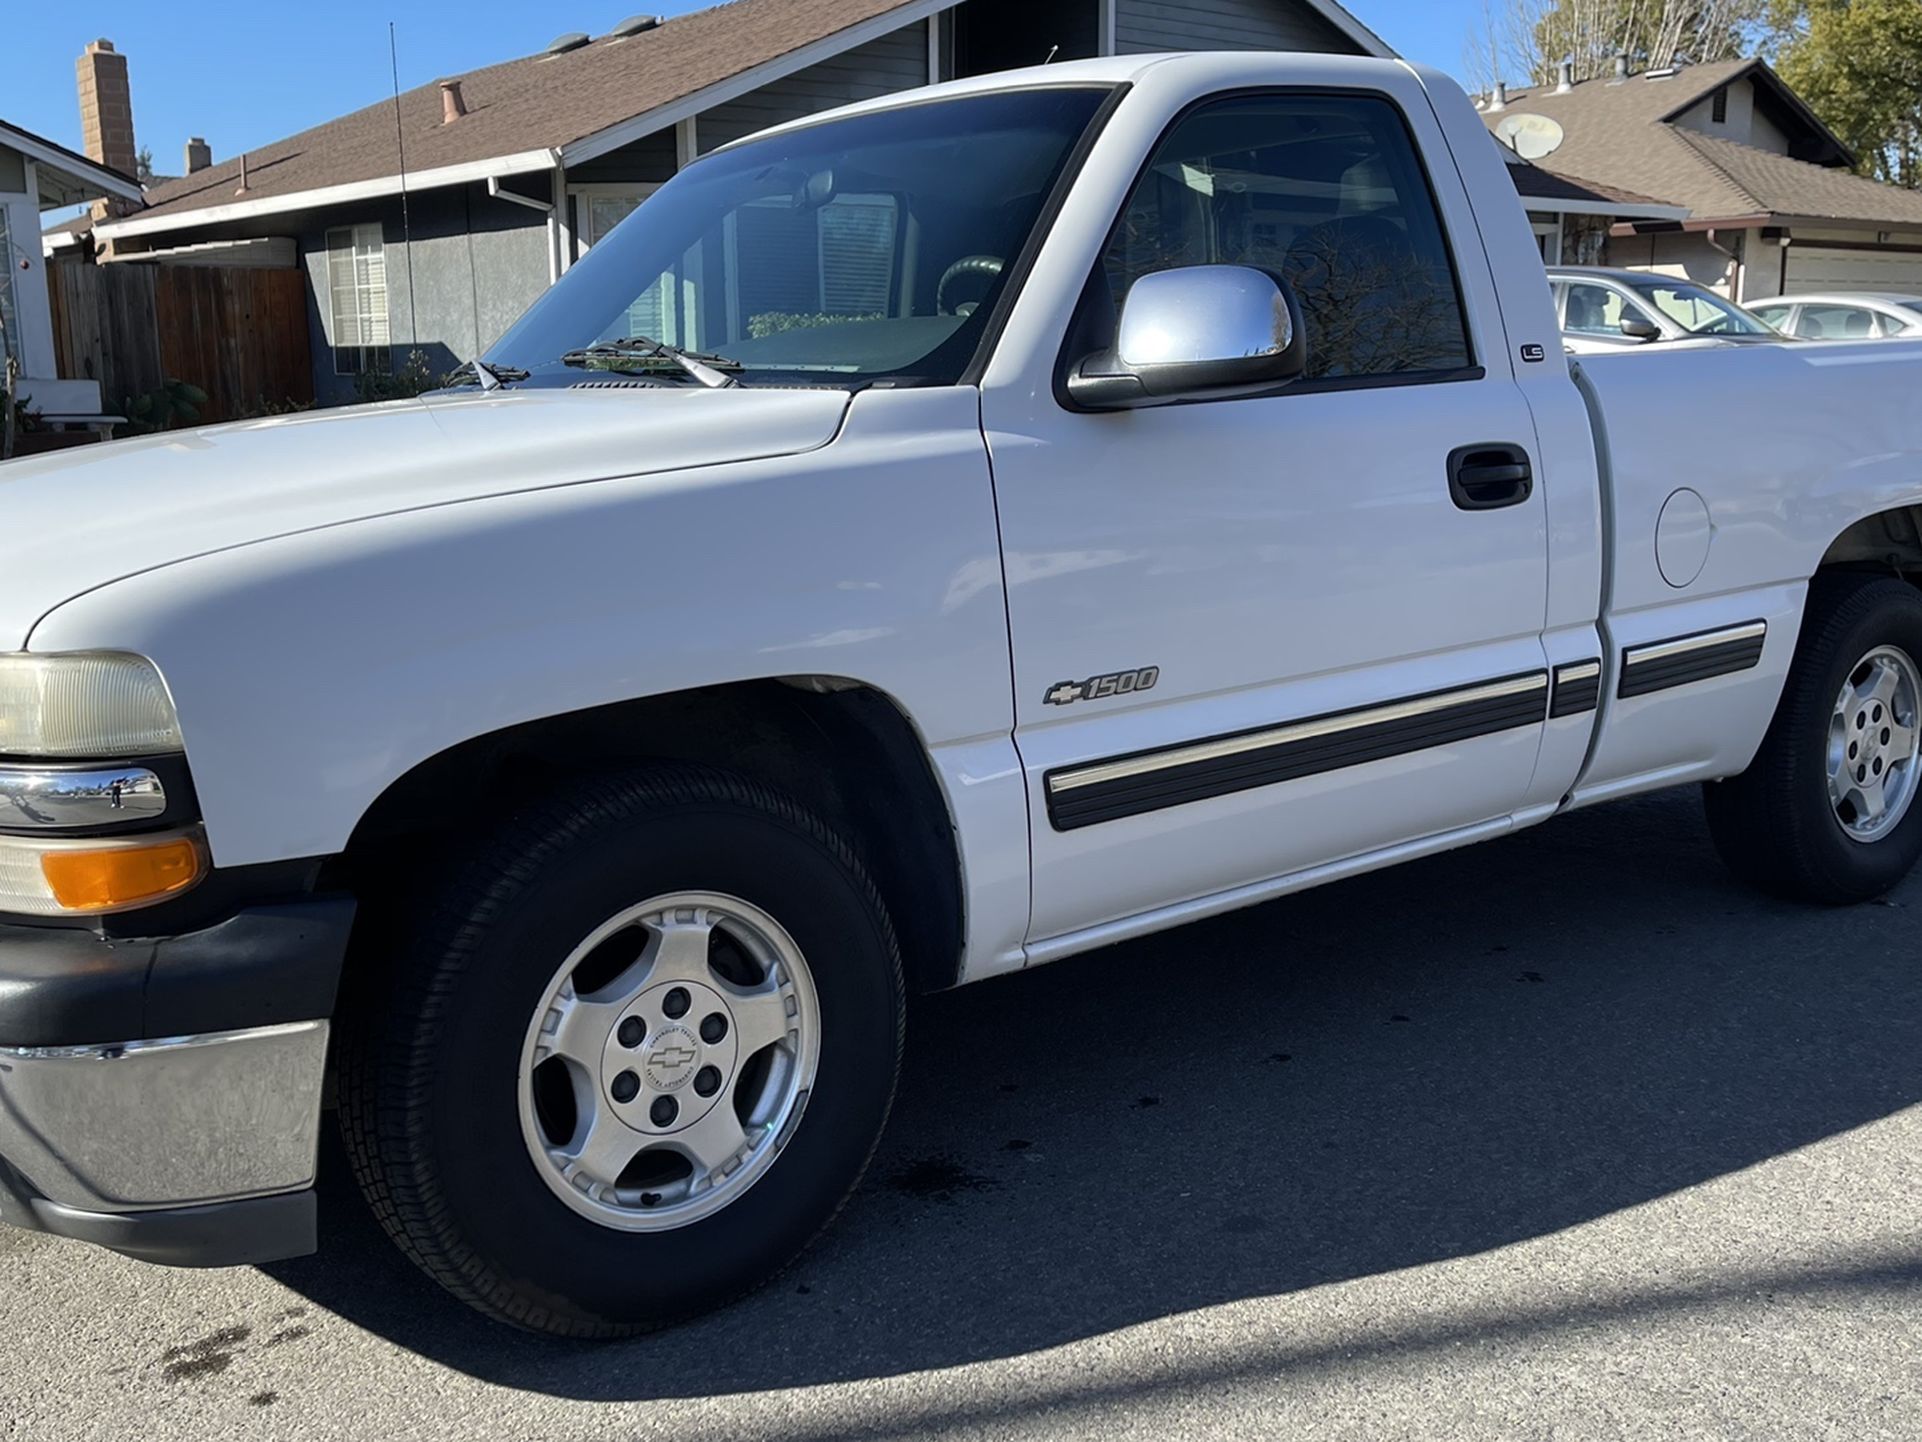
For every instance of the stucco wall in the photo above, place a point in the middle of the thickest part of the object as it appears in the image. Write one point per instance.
(1149, 25)
(475, 264)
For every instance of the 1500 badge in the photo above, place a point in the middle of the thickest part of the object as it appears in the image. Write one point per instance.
(1098, 688)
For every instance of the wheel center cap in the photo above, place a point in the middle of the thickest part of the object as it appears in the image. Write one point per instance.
(670, 1058)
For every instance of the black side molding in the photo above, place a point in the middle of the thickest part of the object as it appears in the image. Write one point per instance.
(1695, 657)
(1087, 794)
(1578, 688)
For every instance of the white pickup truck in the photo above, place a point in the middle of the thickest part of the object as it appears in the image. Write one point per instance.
(925, 541)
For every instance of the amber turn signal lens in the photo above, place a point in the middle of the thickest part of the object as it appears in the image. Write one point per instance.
(122, 876)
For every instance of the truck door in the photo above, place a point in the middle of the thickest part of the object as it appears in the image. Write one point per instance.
(1256, 636)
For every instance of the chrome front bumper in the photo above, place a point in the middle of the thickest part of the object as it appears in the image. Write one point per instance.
(181, 1122)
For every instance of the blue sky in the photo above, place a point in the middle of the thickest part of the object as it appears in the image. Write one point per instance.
(245, 74)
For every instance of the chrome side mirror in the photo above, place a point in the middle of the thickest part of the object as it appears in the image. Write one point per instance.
(1195, 332)
(1637, 327)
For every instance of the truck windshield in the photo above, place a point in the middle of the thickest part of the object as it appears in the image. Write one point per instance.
(838, 253)
(1702, 312)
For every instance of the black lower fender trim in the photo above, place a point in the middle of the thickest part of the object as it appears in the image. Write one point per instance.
(221, 1234)
(262, 966)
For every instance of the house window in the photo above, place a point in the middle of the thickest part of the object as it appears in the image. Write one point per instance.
(357, 287)
(599, 208)
(1718, 107)
(9, 312)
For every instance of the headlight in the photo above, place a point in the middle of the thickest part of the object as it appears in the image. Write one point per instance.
(87, 704)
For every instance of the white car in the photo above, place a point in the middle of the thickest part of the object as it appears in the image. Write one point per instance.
(1869, 315)
(1174, 495)
(1604, 310)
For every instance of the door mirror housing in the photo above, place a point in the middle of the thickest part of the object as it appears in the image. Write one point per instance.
(1637, 327)
(1196, 332)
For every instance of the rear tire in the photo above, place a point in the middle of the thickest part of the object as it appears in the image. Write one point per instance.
(529, 1007)
(1798, 822)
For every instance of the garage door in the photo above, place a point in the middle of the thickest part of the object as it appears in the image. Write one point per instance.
(1812, 269)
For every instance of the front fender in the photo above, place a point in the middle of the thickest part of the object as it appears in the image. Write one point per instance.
(313, 670)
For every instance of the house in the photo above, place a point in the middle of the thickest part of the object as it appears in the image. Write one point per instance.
(37, 175)
(435, 238)
(1772, 207)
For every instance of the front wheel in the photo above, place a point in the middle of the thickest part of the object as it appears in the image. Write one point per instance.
(634, 1056)
(1826, 812)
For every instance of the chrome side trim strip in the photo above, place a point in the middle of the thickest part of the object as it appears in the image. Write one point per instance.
(61, 800)
(1297, 731)
(1580, 671)
(1681, 646)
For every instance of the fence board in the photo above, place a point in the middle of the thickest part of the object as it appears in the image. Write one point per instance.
(240, 334)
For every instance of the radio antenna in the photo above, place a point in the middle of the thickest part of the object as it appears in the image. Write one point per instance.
(406, 223)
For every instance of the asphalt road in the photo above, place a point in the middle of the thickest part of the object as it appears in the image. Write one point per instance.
(1560, 1137)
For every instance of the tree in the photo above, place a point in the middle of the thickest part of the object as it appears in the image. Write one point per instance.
(1531, 38)
(1858, 63)
(143, 165)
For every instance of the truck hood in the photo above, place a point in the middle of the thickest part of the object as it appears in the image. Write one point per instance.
(78, 519)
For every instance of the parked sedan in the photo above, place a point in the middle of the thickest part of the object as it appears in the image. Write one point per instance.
(1604, 310)
(1869, 315)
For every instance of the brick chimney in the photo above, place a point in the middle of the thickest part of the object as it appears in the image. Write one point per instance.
(106, 114)
(199, 155)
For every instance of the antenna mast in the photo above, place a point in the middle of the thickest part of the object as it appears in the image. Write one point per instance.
(406, 223)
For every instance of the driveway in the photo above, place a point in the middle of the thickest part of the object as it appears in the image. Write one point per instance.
(1565, 1136)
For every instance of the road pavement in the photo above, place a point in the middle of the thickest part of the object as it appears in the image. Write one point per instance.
(1565, 1136)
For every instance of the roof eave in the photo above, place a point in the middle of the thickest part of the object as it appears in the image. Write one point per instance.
(469, 172)
(1767, 218)
(45, 153)
(1570, 205)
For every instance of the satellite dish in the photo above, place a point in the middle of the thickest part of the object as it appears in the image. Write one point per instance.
(1530, 136)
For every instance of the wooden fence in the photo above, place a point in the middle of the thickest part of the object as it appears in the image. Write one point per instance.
(239, 334)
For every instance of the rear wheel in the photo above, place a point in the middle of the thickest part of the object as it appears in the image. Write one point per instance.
(1826, 812)
(633, 1057)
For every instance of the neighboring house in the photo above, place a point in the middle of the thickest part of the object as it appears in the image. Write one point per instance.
(35, 176)
(1772, 206)
(513, 171)
(1572, 218)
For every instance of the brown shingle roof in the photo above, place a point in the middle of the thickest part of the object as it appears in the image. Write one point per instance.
(1621, 131)
(539, 102)
(1781, 185)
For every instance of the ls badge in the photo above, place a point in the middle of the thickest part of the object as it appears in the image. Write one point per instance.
(1099, 688)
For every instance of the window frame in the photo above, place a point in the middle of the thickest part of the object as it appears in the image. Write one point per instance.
(374, 359)
(1475, 370)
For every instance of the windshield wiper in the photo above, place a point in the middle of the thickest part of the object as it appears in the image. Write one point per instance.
(641, 348)
(488, 377)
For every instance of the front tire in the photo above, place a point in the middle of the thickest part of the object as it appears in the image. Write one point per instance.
(631, 1056)
(1826, 811)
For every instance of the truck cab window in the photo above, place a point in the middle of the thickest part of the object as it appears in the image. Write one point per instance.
(1325, 191)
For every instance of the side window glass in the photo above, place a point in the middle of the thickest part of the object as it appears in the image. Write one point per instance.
(1837, 322)
(1774, 315)
(1593, 310)
(1324, 191)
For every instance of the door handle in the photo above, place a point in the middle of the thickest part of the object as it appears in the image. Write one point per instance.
(1489, 476)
